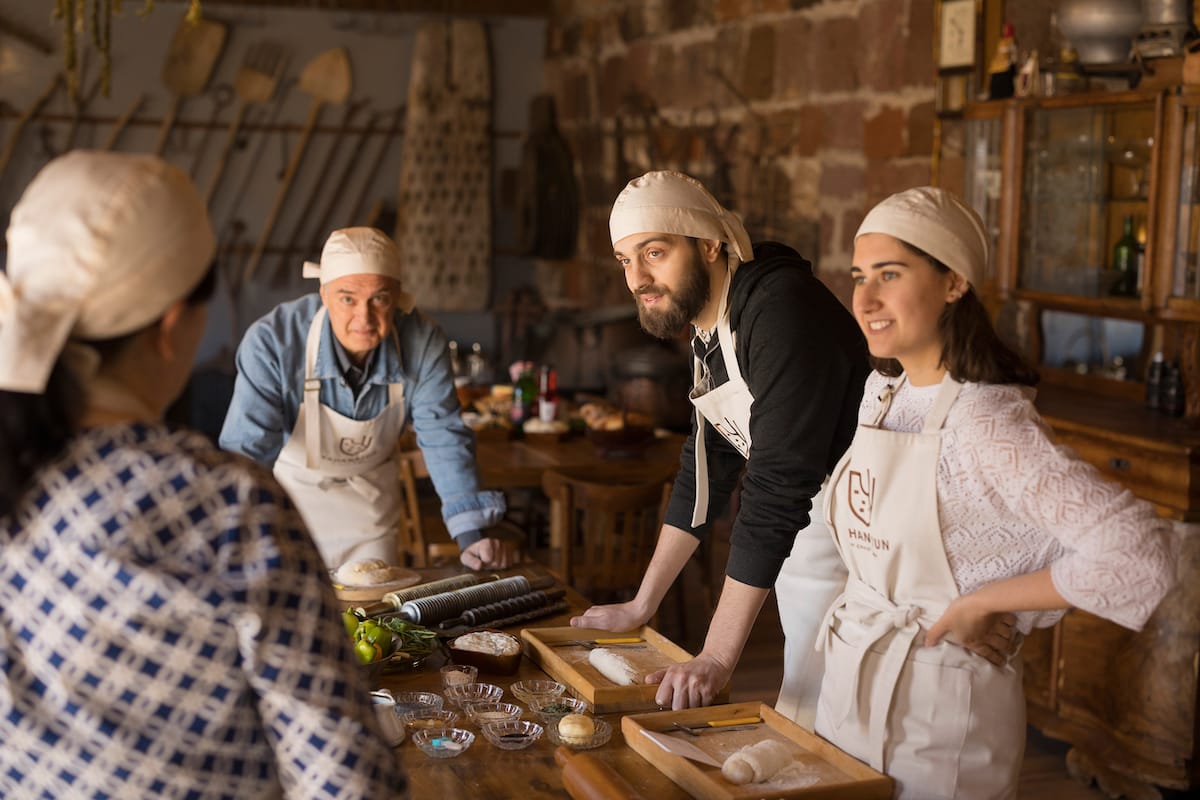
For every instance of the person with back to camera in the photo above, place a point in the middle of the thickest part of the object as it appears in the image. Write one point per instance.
(951, 506)
(167, 627)
(778, 367)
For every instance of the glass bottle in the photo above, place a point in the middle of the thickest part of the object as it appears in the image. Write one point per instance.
(455, 361)
(1124, 262)
(1002, 72)
(1154, 381)
(547, 394)
(1173, 399)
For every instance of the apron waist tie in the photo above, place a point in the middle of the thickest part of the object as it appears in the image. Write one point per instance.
(367, 490)
(883, 617)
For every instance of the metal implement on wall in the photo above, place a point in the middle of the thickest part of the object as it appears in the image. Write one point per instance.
(326, 79)
(190, 61)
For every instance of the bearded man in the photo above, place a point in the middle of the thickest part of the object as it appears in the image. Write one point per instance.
(779, 367)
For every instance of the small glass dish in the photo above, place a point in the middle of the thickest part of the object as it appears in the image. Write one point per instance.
(465, 693)
(558, 707)
(417, 701)
(455, 674)
(600, 736)
(541, 691)
(443, 742)
(483, 713)
(515, 734)
(426, 718)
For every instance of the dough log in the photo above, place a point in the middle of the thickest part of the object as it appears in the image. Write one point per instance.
(757, 762)
(614, 667)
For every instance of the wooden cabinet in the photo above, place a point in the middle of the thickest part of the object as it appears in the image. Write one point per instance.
(1055, 180)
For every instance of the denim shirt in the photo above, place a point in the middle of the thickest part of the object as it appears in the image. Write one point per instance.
(269, 392)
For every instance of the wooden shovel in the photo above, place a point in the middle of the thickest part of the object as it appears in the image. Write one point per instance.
(122, 122)
(190, 60)
(327, 80)
(23, 120)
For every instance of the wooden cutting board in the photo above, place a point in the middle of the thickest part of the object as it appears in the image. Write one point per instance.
(359, 594)
(820, 770)
(444, 214)
(570, 665)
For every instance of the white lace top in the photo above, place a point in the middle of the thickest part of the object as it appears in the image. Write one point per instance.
(1011, 501)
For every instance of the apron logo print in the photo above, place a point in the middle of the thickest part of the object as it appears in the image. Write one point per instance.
(733, 434)
(861, 495)
(354, 447)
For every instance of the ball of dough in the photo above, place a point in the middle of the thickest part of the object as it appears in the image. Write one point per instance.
(576, 729)
(737, 771)
(364, 572)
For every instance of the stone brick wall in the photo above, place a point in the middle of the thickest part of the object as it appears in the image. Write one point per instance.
(797, 114)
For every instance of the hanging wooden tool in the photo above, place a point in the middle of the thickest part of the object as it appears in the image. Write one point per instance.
(222, 96)
(319, 231)
(280, 278)
(392, 135)
(123, 122)
(23, 120)
(80, 105)
(190, 60)
(255, 82)
(327, 80)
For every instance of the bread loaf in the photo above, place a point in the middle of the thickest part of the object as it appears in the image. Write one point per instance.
(757, 762)
(614, 667)
(366, 572)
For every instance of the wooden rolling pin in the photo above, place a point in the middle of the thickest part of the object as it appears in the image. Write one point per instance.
(586, 777)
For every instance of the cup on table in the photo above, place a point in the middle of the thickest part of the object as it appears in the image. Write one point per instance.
(455, 674)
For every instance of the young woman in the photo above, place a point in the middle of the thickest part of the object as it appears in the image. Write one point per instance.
(952, 506)
(167, 627)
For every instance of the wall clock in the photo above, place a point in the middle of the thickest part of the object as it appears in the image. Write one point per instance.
(956, 34)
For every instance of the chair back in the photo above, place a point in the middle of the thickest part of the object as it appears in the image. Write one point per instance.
(423, 537)
(603, 528)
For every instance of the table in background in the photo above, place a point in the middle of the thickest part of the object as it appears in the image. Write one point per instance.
(486, 771)
(519, 464)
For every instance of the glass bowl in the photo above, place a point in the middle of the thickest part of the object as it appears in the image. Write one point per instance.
(600, 736)
(417, 701)
(455, 674)
(558, 707)
(515, 734)
(483, 713)
(541, 691)
(425, 718)
(465, 693)
(443, 742)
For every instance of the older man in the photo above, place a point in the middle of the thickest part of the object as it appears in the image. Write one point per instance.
(325, 385)
(779, 369)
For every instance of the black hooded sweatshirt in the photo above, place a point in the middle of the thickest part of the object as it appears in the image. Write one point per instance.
(805, 361)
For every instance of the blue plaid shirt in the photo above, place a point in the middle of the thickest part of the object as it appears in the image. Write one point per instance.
(167, 629)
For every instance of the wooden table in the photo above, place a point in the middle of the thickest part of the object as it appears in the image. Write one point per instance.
(516, 463)
(485, 771)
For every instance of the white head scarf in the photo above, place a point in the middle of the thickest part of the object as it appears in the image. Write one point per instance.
(99, 246)
(671, 202)
(936, 222)
(359, 251)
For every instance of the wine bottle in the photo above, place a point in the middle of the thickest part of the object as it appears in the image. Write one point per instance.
(1124, 262)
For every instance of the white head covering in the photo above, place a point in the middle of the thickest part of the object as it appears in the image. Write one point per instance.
(99, 245)
(359, 251)
(671, 202)
(936, 222)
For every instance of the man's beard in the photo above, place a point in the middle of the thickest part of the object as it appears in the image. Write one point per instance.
(676, 308)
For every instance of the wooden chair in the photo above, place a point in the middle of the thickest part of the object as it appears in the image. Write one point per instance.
(603, 529)
(423, 538)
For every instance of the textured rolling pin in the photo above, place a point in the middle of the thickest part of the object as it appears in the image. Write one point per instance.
(394, 601)
(435, 608)
(474, 617)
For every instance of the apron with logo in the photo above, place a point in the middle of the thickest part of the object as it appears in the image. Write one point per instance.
(340, 472)
(813, 575)
(942, 721)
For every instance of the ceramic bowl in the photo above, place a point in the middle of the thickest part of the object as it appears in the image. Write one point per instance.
(552, 710)
(426, 718)
(483, 713)
(512, 735)
(600, 736)
(443, 742)
(505, 663)
(465, 693)
(529, 692)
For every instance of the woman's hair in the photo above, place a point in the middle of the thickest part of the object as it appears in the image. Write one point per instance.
(35, 428)
(971, 350)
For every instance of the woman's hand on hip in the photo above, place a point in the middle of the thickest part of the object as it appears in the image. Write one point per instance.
(690, 684)
(990, 634)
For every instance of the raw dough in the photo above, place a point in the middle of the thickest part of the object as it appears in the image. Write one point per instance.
(614, 667)
(366, 572)
(757, 762)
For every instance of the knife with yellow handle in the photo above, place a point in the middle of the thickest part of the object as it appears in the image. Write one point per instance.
(719, 725)
(590, 643)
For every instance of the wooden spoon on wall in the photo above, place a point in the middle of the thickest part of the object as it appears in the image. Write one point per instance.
(23, 120)
(327, 80)
(190, 60)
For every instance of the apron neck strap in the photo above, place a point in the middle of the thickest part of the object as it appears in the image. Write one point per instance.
(885, 400)
(947, 394)
(312, 393)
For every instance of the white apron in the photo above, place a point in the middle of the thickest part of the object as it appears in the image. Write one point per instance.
(942, 721)
(341, 473)
(813, 575)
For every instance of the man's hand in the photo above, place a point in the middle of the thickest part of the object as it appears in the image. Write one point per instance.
(989, 634)
(690, 684)
(490, 554)
(618, 617)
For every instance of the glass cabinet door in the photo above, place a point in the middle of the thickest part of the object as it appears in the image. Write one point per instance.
(1085, 197)
(983, 177)
(1184, 282)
